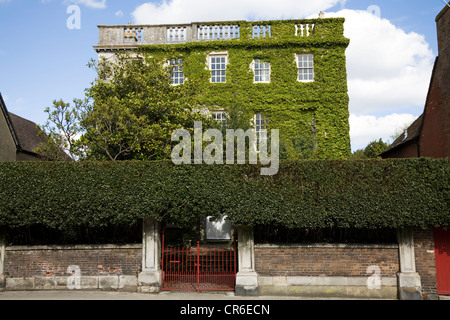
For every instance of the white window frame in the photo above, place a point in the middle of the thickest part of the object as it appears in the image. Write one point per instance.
(260, 125)
(220, 116)
(305, 65)
(176, 71)
(212, 65)
(262, 67)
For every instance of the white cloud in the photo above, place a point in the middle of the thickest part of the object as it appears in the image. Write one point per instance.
(186, 11)
(388, 69)
(367, 128)
(119, 13)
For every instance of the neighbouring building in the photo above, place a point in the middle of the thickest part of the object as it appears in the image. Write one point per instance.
(19, 137)
(429, 136)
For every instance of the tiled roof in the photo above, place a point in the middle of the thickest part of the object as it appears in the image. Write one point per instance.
(27, 133)
(24, 132)
(412, 133)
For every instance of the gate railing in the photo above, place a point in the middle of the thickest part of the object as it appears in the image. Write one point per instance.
(198, 269)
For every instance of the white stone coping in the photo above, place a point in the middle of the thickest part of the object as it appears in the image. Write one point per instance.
(328, 245)
(74, 247)
(322, 281)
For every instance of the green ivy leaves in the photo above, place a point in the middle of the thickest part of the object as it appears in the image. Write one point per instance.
(308, 194)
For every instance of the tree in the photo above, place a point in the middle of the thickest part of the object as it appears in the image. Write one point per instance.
(371, 151)
(358, 155)
(132, 109)
(129, 112)
(375, 148)
(61, 130)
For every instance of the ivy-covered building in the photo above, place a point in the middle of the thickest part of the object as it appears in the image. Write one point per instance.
(288, 75)
(332, 228)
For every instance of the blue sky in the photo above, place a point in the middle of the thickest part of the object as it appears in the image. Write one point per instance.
(41, 59)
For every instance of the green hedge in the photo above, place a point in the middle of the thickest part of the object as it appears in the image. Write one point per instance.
(307, 194)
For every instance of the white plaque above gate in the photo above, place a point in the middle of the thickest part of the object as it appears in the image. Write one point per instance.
(218, 228)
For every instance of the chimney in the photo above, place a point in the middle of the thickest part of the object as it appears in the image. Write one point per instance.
(443, 29)
(321, 15)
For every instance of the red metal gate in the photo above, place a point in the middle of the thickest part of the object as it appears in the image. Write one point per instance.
(198, 269)
(442, 256)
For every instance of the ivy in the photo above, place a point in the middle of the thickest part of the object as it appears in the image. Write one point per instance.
(293, 107)
(316, 194)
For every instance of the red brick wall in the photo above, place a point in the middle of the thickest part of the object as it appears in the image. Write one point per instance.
(407, 150)
(435, 136)
(92, 260)
(325, 260)
(425, 263)
(443, 28)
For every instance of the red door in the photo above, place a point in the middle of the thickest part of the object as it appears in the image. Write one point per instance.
(442, 253)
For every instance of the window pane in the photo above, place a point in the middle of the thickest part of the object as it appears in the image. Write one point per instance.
(305, 66)
(262, 71)
(218, 69)
(176, 74)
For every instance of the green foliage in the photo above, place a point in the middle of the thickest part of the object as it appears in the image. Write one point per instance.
(375, 148)
(358, 155)
(304, 194)
(129, 113)
(371, 151)
(309, 111)
(61, 130)
(302, 147)
(132, 110)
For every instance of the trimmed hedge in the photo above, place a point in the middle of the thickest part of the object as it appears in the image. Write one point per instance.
(304, 194)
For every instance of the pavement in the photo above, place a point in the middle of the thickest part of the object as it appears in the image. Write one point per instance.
(171, 305)
(162, 296)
